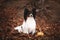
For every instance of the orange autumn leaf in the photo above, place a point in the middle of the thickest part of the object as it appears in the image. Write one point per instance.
(40, 34)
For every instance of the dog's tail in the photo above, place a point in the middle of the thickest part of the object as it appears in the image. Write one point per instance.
(18, 27)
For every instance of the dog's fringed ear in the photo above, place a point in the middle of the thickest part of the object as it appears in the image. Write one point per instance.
(25, 13)
(34, 12)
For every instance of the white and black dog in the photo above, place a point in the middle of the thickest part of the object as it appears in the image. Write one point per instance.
(29, 23)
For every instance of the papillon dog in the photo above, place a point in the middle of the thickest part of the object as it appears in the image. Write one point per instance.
(29, 23)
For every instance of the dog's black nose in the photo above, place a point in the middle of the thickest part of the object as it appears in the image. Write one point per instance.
(31, 15)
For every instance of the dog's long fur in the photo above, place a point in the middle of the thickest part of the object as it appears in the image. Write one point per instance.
(29, 24)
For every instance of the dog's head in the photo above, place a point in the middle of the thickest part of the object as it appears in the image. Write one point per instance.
(29, 13)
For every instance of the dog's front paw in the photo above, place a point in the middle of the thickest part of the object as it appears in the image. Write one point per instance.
(33, 32)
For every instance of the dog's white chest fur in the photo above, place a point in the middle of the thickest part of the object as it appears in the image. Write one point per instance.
(30, 25)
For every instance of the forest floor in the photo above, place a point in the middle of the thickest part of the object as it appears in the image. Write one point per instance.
(47, 19)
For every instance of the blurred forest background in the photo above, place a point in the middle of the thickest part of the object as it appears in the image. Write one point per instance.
(47, 18)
